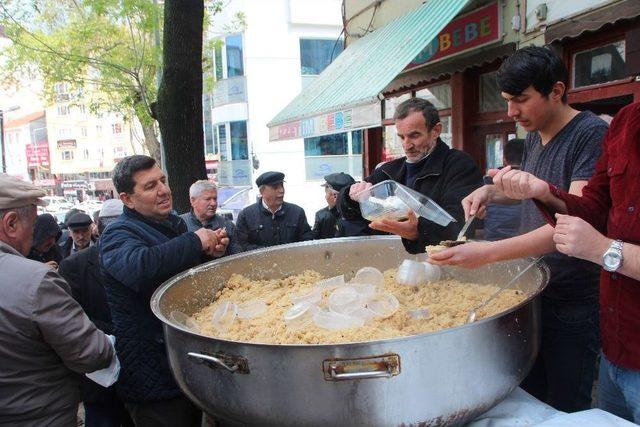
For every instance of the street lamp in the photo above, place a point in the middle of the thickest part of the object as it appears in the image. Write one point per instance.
(2, 144)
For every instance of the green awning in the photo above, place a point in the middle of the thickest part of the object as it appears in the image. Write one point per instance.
(346, 95)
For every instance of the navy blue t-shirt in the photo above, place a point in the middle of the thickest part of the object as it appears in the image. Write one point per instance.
(570, 156)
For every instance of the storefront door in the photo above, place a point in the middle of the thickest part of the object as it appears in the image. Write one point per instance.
(488, 141)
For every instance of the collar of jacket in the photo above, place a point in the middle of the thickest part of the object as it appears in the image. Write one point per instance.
(170, 225)
(266, 211)
(433, 165)
(8, 249)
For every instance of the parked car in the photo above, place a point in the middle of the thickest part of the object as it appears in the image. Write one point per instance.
(57, 203)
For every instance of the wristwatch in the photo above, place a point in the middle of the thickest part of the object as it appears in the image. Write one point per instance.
(612, 258)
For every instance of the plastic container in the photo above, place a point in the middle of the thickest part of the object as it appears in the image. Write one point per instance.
(251, 309)
(419, 313)
(383, 305)
(334, 321)
(307, 297)
(345, 300)
(433, 272)
(299, 316)
(185, 321)
(330, 283)
(369, 275)
(224, 316)
(411, 273)
(391, 200)
(366, 290)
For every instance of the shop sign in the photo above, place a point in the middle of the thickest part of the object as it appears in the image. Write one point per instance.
(470, 31)
(67, 143)
(44, 182)
(330, 123)
(37, 155)
(75, 185)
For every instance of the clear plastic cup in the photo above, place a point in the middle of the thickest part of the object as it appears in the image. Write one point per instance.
(433, 272)
(381, 201)
(345, 300)
(334, 321)
(185, 321)
(411, 273)
(383, 305)
(251, 309)
(312, 297)
(363, 313)
(330, 283)
(369, 275)
(299, 316)
(224, 316)
(419, 313)
(366, 290)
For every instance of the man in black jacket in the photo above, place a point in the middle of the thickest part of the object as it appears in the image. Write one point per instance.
(271, 221)
(45, 234)
(81, 270)
(430, 167)
(326, 222)
(80, 236)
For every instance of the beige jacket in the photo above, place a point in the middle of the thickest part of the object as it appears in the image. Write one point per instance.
(45, 339)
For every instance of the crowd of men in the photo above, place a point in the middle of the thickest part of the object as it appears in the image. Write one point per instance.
(57, 306)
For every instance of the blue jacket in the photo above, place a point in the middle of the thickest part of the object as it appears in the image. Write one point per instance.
(502, 221)
(137, 255)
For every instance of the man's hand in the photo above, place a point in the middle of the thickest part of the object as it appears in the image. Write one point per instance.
(357, 189)
(209, 240)
(575, 237)
(518, 185)
(223, 242)
(468, 255)
(52, 265)
(476, 202)
(406, 229)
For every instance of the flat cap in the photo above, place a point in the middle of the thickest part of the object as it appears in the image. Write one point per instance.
(16, 193)
(337, 181)
(79, 220)
(270, 178)
(111, 207)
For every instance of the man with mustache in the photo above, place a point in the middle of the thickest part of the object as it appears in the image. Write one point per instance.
(80, 234)
(430, 167)
(145, 246)
(203, 196)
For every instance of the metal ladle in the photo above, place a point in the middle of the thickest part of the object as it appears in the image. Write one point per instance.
(471, 317)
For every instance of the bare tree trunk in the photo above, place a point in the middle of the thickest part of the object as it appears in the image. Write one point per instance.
(151, 142)
(179, 105)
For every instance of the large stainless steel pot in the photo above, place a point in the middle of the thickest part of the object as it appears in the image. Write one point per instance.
(440, 378)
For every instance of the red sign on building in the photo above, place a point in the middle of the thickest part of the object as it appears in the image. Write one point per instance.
(474, 29)
(38, 155)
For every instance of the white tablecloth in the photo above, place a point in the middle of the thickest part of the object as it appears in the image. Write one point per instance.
(522, 409)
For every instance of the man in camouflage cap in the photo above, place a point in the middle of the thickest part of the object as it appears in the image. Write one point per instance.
(44, 335)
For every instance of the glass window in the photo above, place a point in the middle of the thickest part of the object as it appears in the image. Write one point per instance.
(116, 128)
(63, 110)
(327, 145)
(67, 155)
(600, 65)
(490, 98)
(438, 95)
(493, 146)
(446, 136)
(390, 104)
(98, 130)
(239, 146)
(209, 140)
(357, 136)
(234, 56)
(316, 55)
(218, 61)
(222, 139)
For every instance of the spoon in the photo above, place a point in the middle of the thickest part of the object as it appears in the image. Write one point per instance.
(459, 240)
(471, 317)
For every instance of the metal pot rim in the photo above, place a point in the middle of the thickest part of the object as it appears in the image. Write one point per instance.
(162, 289)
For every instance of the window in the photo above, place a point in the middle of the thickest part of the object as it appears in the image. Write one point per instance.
(83, 131)
(327, 145)
(439, 95)
(234, 56)
(116, 128)
(239, 146)
(328, 154)
(217, 56)
(63, 110)
(64, 132)
(493, 150)
(357, 137)
(85, 154)
(100, 152)
(221, 131)
(119, 152)
(99, 130)
(490, 99)
(66, 155)
(600, 65)
(82, 109)
(316, 55)
(210, 146)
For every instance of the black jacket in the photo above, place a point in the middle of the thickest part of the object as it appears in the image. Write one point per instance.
(45, 226)
(194, 224)
(258, 228)
(326, 223)
(447, 176)
(82, 272)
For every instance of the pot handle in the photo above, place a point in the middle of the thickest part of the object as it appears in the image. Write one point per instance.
(385, 366)
(233, 364)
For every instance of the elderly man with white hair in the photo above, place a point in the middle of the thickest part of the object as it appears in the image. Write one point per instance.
(45, 336)
(203, 195)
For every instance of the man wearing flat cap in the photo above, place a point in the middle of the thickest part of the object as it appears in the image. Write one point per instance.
(271, 221)
(326, 221)
(80, 235)
(45, 336)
